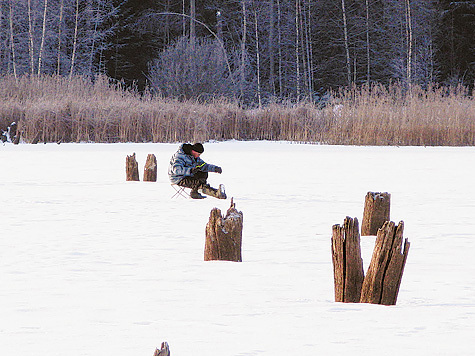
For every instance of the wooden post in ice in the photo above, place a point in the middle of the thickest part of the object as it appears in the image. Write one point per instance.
(132, 168)
(376, 212)
(164, 350)
(382, 281)
(150, 170)
(347, 262)
(224, 235)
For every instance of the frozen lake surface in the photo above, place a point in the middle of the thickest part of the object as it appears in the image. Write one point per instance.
(92, 265)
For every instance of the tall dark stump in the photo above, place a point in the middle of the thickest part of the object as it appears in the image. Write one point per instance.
(383, 279)
(376, 212)
(150, 170)
(131, 168)
(347, 262)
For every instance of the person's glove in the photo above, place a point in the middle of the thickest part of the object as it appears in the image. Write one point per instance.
(218, 170)
(196, 169)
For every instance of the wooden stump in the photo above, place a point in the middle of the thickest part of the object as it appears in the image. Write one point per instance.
(376, 212)
(347, 262)
(382, 281)
(224, 235)
(132, 168)
(150, 171)
(164, 350)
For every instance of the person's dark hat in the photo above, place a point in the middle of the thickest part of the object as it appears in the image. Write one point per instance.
(198, 147)
(187, 147)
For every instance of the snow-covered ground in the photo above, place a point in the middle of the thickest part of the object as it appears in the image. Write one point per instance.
(93, 265)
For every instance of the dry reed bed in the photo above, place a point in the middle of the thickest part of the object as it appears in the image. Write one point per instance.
(76, 110)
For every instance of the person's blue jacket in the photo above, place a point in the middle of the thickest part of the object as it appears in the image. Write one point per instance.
(182, 162)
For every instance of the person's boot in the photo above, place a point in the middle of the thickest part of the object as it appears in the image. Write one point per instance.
(195, 195)
(213, 192)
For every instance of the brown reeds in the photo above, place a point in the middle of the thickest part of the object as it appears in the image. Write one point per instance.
(58, 109)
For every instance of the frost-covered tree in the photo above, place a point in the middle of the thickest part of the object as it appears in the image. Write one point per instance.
(189, 70)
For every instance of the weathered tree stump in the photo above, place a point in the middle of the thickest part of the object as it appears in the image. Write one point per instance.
(150, 171)
(164, 350)
(224, 235)
(347, 262)
(132, 168)
(376, 212)
(382, 281)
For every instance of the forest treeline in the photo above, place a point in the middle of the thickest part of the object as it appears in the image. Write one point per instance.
(363, 72)
(60, 109)
(254, 52)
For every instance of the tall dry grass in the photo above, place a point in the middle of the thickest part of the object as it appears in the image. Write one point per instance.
(393, 116)
(77, 110)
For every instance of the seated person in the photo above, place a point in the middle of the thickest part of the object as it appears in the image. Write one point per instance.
(187, 169)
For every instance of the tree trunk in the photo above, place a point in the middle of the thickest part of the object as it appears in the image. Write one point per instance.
(150, 171)
(368, 57)
(376, 212)
(12, 42)
(192, 22)
(258, 59)
(224, 235)
(43, 35)
(219, 20)
(297, 49)
(167, 23)
(279, 46)
(381, 284)
(409, 42)
(183, 19)
(31, 47)
(303, 45)
(308, 48)
(2, 40)
(95, 17)
(271, 47)
(75, 40)
(132, 168)
(347, 47)
(60, 26)
(347, 262)
(242, 70)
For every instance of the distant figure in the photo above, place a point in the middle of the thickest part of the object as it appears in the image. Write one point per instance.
(3, 136)
(187, 169)
(9, 135)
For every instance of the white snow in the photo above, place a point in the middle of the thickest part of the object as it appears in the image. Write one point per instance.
(93, 265)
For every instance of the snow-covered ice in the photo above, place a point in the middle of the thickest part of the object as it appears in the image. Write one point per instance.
(92, 265)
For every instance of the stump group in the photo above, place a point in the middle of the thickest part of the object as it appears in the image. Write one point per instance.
(132, 168)
(382, 281)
